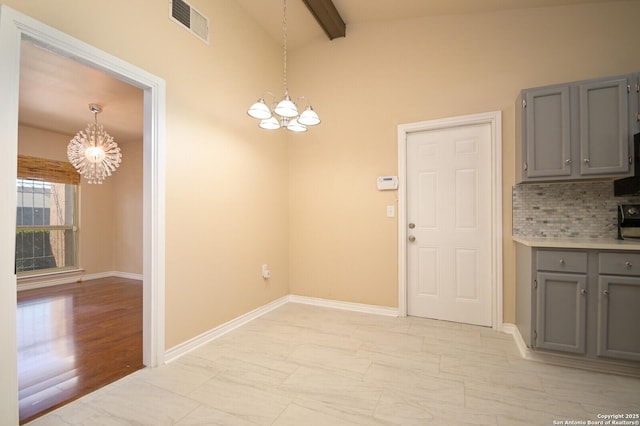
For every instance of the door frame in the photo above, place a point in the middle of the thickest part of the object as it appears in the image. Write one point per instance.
(15, 26)
(494, 119)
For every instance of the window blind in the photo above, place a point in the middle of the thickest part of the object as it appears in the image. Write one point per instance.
(47, 170)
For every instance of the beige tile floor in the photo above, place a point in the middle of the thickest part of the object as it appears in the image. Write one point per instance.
(305, 365)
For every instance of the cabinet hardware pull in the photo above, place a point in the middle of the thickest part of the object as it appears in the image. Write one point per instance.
(568, 161)
(605, 292)
(562, 262)
(586, 161)
(628, 264)
(583, 291)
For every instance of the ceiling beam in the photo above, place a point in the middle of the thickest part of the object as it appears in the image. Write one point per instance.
(328, 17)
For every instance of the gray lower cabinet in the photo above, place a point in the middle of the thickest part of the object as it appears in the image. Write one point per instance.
(561, 312)
(581, 302)
(560, 296)
(619, 306)
(579, 130)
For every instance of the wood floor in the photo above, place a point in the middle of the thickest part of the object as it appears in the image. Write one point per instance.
(74, 339)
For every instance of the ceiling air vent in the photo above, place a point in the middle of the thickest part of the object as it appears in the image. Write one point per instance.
(195, 22)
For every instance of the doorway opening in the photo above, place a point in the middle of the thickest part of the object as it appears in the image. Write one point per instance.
(15, 27)
(78, 245)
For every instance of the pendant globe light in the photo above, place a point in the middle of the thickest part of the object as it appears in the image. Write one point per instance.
(283, 114)
(93, 152)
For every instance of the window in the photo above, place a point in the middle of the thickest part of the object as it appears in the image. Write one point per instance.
(46, 216)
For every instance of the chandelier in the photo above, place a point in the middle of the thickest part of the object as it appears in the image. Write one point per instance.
(285, 113)
(93, 151)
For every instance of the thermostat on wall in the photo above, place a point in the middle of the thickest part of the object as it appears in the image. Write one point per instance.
(387, 183)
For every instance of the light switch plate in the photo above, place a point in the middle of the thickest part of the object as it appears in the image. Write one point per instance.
(391, 211)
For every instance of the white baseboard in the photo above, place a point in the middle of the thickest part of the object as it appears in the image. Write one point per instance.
(30, 284)
(194, 343)
(188, 346)
(507, 328)
(346, 306)
(97, 276)
(598, 365)
(128, 275)
(70, 278)
(517, 337)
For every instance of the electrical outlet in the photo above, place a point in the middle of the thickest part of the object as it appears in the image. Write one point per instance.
(266, 273)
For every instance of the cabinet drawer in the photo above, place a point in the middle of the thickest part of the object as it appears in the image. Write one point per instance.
(562, 261)
(619, 263)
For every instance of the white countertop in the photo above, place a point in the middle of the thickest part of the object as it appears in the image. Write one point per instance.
(579, 243)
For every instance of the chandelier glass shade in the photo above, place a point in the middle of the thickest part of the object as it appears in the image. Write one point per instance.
(93, 152)
(283, 114)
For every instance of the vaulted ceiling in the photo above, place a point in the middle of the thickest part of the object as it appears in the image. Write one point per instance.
(55, 91)
(302, 27)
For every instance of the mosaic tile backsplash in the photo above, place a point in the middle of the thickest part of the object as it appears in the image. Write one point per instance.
(566, 210)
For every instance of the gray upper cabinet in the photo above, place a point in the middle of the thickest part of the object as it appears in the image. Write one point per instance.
(574, 131)
(604, 127)
(548, 132)
(634, 107)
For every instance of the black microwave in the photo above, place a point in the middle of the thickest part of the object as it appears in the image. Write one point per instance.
(630, 186)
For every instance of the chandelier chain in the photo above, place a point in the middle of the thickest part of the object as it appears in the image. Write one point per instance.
(283, 114)
(284, 47)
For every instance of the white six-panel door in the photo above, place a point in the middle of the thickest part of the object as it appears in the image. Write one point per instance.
(449, 224)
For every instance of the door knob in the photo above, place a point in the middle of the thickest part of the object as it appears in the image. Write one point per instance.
(412, 238)
(412, 225)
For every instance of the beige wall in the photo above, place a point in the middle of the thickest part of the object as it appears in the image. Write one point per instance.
(110, 214)
(307, 205)
(226, 199)
(126, 242)
(342, 244)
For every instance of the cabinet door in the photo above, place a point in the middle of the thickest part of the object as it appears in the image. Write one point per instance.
(634, 109)
(619, 317)
(548, 134)
(604, 127)
(561, 312)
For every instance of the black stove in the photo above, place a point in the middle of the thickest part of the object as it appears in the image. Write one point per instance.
(628, 221)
